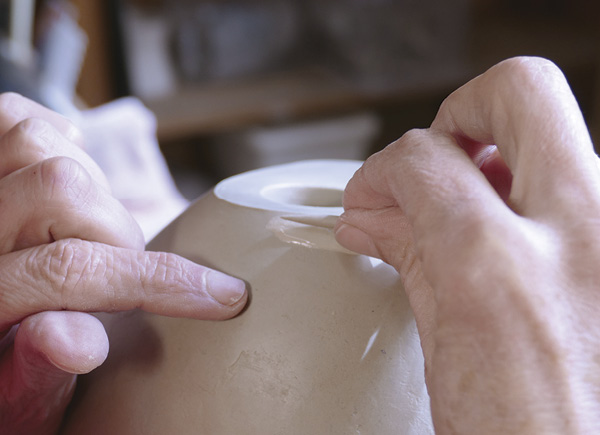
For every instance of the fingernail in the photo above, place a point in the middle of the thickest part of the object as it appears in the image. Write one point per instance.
(225, 289)
(355, 240)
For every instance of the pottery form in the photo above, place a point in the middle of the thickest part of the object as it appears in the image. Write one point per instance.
(328, 344)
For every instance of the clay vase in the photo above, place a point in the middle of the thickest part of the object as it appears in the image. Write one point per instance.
(328, 344)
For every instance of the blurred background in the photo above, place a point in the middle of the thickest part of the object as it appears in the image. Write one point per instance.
(239, 84)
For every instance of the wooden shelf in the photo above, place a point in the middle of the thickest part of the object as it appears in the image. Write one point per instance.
(313, 92)
(287, 96)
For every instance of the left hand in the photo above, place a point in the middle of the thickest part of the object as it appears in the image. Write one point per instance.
(67, 247)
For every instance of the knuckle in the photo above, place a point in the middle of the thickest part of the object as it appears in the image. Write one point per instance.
(32, 135)
(408, 150)
(409, 140)
(15, 107)
(532, 74)
(65, 265)
(64, 179)
(413, 141)
(34, 128)
(414, 153)
(59, 267)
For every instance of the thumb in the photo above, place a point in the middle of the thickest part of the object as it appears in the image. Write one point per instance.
(38, 373)
(385, 234)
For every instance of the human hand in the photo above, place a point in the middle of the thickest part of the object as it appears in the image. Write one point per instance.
(67, 247)
(498, 249)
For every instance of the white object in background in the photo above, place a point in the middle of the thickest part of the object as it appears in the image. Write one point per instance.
(218, 40)
(19, 47)
(148, 54)
(121, 138)
(62, 48)
(347, 138)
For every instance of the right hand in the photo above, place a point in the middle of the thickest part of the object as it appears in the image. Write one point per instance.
(67, 247)
(492, 217)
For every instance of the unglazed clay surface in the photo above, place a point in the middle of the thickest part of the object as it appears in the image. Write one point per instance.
(328, 344)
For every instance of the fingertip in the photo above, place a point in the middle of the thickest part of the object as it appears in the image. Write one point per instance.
(354, 239)
(72, 342)
(225, 289)
(178, 287)
(230, 293)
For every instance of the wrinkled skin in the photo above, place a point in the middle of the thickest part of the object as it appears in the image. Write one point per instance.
(492, 218)
(67, 247)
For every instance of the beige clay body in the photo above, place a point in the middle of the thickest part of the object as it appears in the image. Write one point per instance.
(328, 344)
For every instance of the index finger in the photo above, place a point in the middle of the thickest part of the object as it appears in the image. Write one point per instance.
(451, 206)
(76, 275)
(526, 108)
(15, 108)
